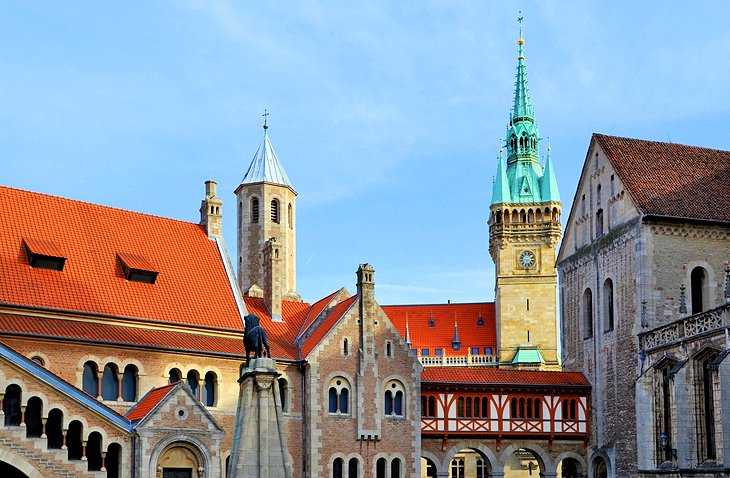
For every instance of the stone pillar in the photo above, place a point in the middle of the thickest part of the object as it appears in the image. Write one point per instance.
(259, 447)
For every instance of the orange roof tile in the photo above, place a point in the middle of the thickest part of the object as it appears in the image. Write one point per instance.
(495, 376)
(281, 335)
(442, 334)
(327, 324)
(117, 334)
(150, 401)
(43, 248)
(134, 261)
(316, 309)
(673, 180)
(92, 281)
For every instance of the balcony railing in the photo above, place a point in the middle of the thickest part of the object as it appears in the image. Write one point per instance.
(457, 360)
(686, 328)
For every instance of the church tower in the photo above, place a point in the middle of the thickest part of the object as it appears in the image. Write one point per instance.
(266, 216)
(524, 231)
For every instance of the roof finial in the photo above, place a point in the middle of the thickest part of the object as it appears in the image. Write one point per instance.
(266, 120)
(520, 42)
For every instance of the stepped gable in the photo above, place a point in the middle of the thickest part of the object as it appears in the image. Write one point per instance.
(107, 333)
(327, 324)
(280, 334)
(672, 180)
(190, 286)
(509, 377)
(441, 334)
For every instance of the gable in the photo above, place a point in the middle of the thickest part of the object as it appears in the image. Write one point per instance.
(601, 203)
(172, 406)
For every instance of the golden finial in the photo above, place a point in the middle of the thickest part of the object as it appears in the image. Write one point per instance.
(500, 150)
(548, 148)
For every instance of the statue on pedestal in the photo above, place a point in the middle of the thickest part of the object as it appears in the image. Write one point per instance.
(254, 338)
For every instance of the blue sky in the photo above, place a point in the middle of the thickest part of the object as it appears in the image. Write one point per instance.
(387, 116)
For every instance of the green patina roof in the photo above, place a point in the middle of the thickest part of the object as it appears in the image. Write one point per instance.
(524, 180)
(527, 355)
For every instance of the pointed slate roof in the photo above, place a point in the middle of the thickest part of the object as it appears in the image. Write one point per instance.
(265, 166)
(500, 189)
(548, 183)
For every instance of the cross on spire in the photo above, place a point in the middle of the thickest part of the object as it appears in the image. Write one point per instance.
(266, 119)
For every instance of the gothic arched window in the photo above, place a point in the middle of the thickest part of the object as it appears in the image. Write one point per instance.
(588, 313)
(698, 279)
(608, 316)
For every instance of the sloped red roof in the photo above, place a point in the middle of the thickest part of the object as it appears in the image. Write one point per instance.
(150, 401)
(334, 315)
(495, 376)
(118, 334)
(442, 334)
(281, 335)
(673, 180)
(316, 309)
(43, 248)
(92, 281)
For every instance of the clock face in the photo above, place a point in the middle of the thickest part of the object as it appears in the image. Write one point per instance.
(527, 259)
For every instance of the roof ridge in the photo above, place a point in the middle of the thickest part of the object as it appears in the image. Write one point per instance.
(651, 141)
(89, 203)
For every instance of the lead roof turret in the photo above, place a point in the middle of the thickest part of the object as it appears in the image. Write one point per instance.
(265, 166)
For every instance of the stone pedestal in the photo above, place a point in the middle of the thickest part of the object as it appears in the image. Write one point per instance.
(259, 444)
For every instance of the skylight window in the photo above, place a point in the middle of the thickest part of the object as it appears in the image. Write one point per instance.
(44, 254)
(137, 268)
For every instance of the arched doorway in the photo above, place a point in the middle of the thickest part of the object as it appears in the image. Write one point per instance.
(9, 471)
(600, 469)
(570, 468)
(470, 463)
(179, 460)
(523, 463)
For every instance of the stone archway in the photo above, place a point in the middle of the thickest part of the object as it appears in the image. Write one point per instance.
(180, 460)
(9, 471)
(599, 467)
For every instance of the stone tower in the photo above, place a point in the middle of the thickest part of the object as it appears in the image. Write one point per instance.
(524, 231)
(266, 214)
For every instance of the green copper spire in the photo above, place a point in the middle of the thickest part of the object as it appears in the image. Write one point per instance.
(523, 180)
(500, 188)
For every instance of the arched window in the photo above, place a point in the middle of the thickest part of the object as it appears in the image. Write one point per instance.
(468, 407)
(598, 195)
(11, 405)
(283, 385)
(706, 403)
(587, 313)
(209, 386)
(395, 467)
(460, 407)
(112, 460)
(608, 318)
(32, 419)
(457, 468)
(290, 216)
(74, 442)
(39, 361)
(129, 383)
(337, 466)
(353, 468)
(275, 210)
(193, 381)
(254, 210)
(54, 429)
(380, 466)
(90, 379)
(482, 468)
(110, 382)
(93, 451)
(339, 396)
(345, 347)
(698, 279)
(174, 375)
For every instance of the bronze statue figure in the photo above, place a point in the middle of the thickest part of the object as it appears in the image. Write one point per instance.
(254, 338)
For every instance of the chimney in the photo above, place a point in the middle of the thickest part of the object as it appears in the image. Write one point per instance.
(210, 211)
(272, 278)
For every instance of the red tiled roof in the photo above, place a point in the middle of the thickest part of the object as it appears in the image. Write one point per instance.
(92, 281)
(444, 315)
(150, 401)
(316, 309)
(334, 315)
(134, 261)
(118, 334)
(43, 248)
(483, 375)
(673, 180)
(281, 335)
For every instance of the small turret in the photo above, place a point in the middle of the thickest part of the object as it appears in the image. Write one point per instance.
(211, 216)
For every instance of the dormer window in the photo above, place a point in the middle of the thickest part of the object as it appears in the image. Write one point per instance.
(431, 322)
(480, 320)
(137, 268)
(44, 254)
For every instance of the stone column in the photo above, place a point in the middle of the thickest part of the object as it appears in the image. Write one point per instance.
(259, 447)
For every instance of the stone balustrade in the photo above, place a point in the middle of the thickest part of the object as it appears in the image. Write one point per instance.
(686, 328)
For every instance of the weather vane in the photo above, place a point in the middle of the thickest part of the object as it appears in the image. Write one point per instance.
(266, 119)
